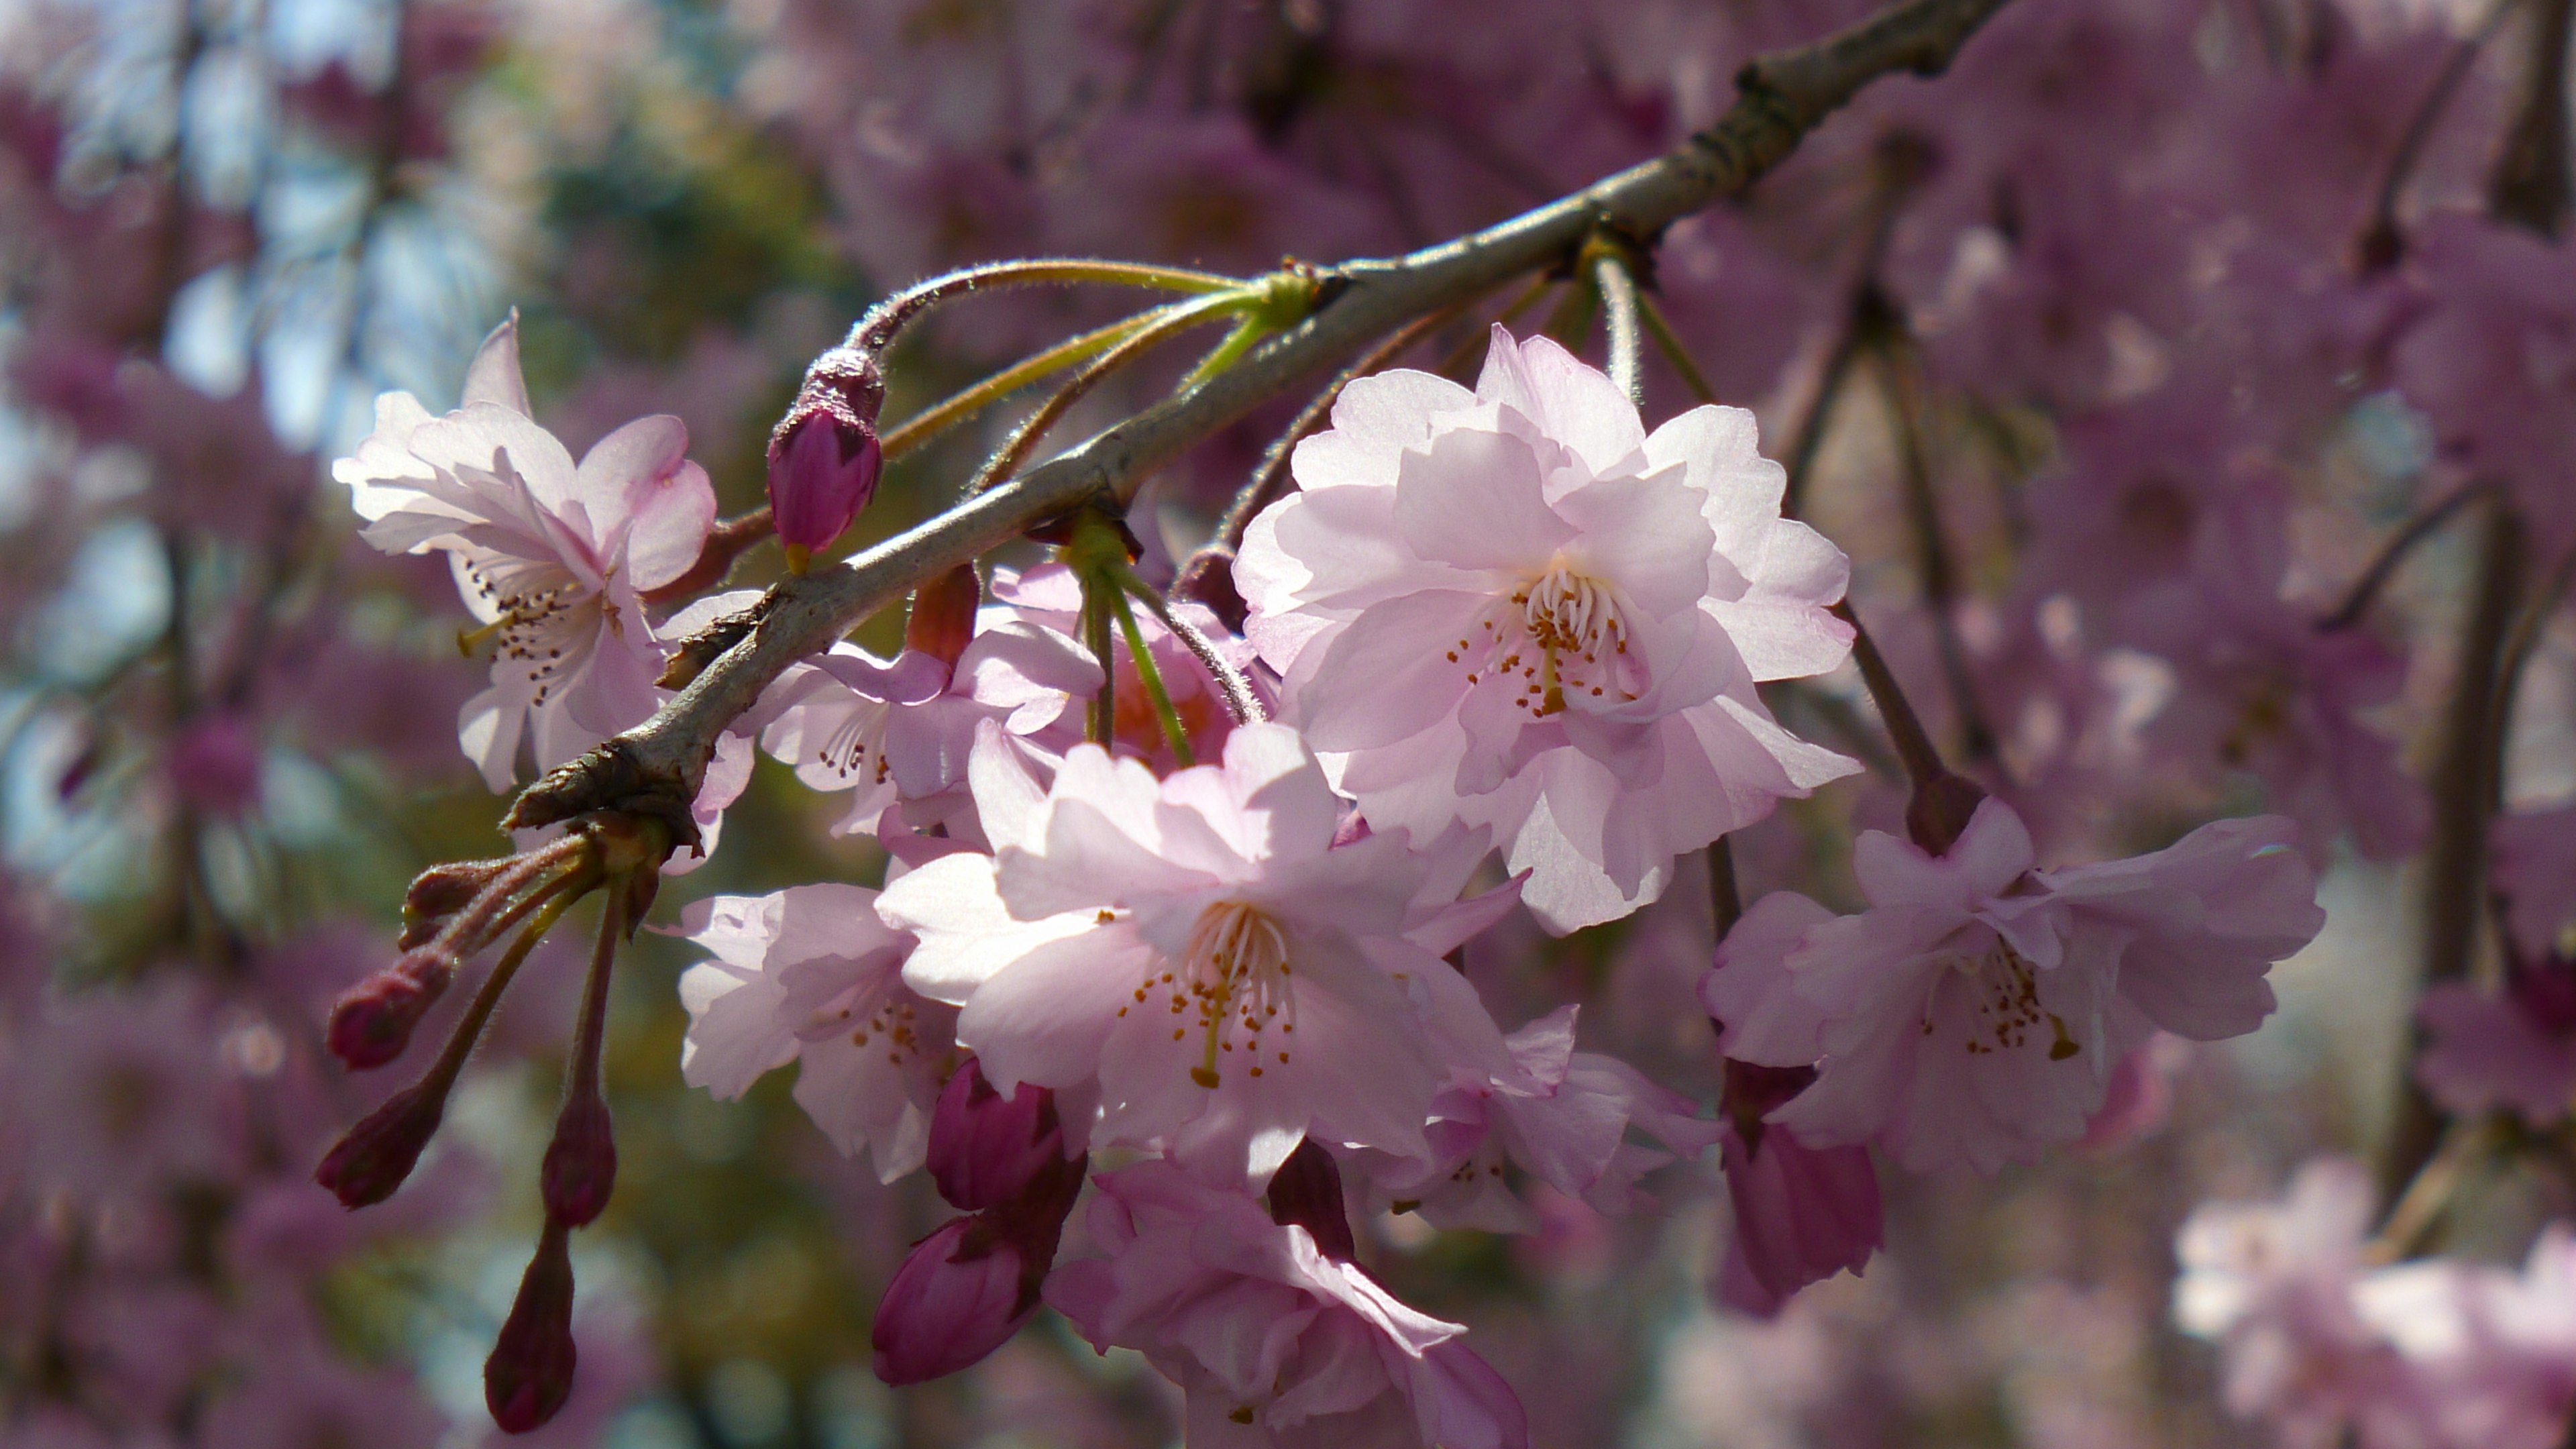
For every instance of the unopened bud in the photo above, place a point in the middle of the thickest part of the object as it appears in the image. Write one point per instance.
(823, 455)
(1306, 1192)
(581, 1163)
(372, 1158)
(372, 1021)
(529, 1374)
(441, 891)
(942, 621)
(1940, 811)
(984, 1147)
(956, 1298)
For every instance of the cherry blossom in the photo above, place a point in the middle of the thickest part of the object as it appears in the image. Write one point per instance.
(1200, 949)
(552, 555)
(1563, 1117)
(1516, 609)
(1273, 1341)
(899, 731)
(1802, 1214)
(811, 975)
(1975, 1012)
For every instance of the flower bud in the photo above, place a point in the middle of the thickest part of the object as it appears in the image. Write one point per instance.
(823, 455)
(942, 621)
(581, 1163)
(372, 1158)
(1306, 1192)
(372, 1021)
(957, 1297)
(438, 893)
(529, 1374)
(985, 1148)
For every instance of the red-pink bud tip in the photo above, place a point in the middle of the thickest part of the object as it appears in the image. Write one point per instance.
(529, 1374)
(372, 1158)
(984, 1147)
(942, 621)
(441, 891)
(824, 458)
(581, 1163)
(372, 1022)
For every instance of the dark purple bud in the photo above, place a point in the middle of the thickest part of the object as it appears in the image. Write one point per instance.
(581, 1163)
(984, 1147)
(529, 1374)
(942, 621)
(1306, 1192)
(955, 1300)
(966, 1288)
(823, 455)
(372, 1021)
(371, 1159)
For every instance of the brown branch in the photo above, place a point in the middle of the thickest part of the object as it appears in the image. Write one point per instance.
(2423, 525)
(655, 767)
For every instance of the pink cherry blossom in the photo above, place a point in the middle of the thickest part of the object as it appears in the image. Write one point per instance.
(899, 731)
(2275, 1285)
(1274, 1342)
(2511, 1049)
(1975, 1012)
(1563, 1117)
(551, 555)
(1200, 949)
(1516, 609)
(811, 975)
(1051, 596)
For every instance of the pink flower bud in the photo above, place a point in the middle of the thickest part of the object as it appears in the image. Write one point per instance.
(438, 893)
(372, 1022)
(985, 1148)
(823, 455)
(581, 1163)
(960, 1295)
(372, 1158)
(942, 621)
(529, 1374)
(1306, 1192)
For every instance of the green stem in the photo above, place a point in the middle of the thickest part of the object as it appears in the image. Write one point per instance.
(938, 418)
(1239, 698)
(1168, 323)
(1151, 677)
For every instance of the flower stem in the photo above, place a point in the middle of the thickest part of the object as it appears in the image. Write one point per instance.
(877, 330)
(1151, 677)
(1904, 729)
(1725, 898)
(939, 417)
(1617, 288)
(1168, 323)
(1239, 698)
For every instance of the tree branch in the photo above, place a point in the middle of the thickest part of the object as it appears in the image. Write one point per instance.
(654, 768)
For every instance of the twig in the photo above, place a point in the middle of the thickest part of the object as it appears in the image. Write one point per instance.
(1032, 429)
(1619, 321)
(2530, 184)
(2383, 242)
(2422, 526)
(654, 768)
(1932, 547)
(1913, 744)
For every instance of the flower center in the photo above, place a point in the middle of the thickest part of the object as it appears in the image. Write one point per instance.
(2003, 992)
(543, 620)
(1560, 636)
(859, 736)
(1236, 975)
